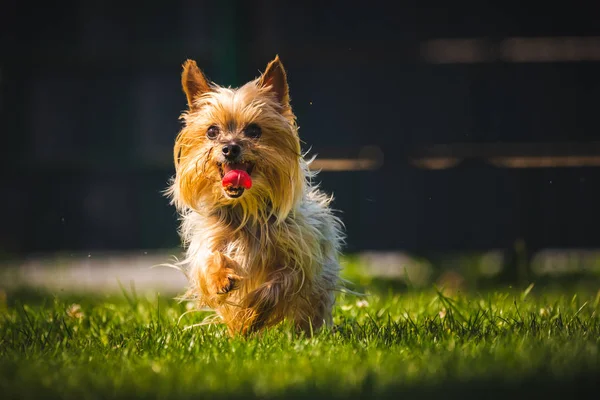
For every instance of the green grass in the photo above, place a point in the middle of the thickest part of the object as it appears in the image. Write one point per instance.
(415, 344)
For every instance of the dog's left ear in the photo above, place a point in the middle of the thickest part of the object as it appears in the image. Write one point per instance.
(275, 77)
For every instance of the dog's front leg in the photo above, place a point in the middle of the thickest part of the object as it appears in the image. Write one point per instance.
(218, 276)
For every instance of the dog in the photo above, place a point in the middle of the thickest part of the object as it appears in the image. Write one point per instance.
(262, 243)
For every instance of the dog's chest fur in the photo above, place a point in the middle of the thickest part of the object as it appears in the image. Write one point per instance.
(304, 241)
(270, 246)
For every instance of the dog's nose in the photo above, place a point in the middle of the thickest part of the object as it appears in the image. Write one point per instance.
(231, 151)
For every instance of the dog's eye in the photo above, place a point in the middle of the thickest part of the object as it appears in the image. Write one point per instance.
(253, 131)
(212, 132)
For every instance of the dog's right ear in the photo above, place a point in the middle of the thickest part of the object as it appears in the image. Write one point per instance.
(193, 81)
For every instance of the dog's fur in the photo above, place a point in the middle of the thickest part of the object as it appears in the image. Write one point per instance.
(272, 253)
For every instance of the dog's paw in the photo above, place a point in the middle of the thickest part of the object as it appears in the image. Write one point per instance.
(223, 276)
(226, 285)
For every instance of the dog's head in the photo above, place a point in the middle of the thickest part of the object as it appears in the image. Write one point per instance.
(239, 148)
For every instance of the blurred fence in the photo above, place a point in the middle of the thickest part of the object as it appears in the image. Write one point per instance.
(437, 129)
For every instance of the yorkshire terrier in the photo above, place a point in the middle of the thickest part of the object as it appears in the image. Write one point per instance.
(262, 243)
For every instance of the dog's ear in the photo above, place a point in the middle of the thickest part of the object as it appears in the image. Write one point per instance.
(193, 81)
(275, 77)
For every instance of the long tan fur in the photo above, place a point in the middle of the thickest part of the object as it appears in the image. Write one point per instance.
(271, 254)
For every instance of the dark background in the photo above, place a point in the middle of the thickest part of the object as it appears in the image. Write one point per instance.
(90, 98)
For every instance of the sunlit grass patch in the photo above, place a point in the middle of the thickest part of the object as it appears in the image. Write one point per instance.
(417, 343)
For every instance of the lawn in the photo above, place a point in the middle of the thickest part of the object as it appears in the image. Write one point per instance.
(412, 344)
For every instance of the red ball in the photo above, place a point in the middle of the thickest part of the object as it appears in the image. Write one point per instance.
(237, 178)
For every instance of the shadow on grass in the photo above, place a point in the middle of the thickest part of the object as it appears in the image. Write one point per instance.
(534, 387)
(541, 387)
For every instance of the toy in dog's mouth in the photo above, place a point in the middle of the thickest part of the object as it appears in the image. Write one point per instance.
(235, 178)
